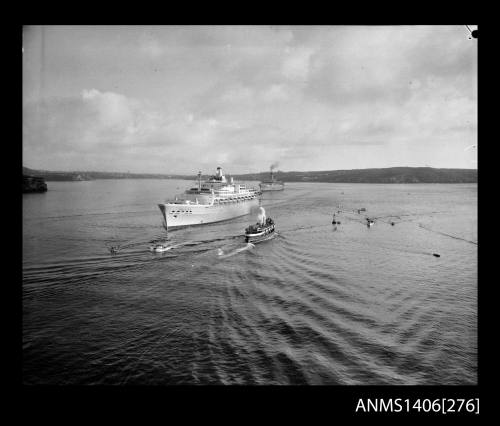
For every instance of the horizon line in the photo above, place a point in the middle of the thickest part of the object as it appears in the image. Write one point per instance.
(251, 173)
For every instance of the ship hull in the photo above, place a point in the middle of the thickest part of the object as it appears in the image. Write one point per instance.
(263, 235)
(272, 187)
(177, 215)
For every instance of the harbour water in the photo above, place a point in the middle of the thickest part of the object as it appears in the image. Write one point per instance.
(317, 304)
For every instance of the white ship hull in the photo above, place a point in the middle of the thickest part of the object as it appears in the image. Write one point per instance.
(176, 215)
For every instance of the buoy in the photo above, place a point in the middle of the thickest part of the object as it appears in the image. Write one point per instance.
(436, 255)
(392, 223)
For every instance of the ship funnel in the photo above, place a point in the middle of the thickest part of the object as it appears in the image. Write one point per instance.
(273, 166)
(219, 172)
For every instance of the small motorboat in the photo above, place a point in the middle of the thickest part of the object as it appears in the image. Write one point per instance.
(160, 248)
(259, 231)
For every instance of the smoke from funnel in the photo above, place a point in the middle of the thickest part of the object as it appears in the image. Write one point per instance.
(262, 216)
(275, 165)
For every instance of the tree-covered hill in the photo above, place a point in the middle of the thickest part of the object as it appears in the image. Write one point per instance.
(385, 175)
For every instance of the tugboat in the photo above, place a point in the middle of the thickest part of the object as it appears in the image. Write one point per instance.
(261, 231)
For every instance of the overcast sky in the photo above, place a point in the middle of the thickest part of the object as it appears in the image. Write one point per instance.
(182, 99)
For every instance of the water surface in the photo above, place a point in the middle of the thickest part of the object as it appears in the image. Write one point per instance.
(317, 304)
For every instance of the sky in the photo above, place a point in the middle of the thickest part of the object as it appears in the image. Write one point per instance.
(178, 99)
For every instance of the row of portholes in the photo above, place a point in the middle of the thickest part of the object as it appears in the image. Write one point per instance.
(235, 200)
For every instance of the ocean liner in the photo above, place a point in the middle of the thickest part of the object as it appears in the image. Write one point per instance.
(213, 200)
(272, 184)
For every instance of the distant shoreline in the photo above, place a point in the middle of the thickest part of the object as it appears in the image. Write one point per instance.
(392, 175)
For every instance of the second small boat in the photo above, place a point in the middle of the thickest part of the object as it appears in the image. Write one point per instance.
(159, 248)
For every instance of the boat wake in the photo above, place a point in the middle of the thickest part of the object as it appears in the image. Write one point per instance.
(446, 235)
(222, 254)
(268, 237)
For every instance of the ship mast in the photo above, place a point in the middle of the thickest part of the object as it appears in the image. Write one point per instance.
(199, 180)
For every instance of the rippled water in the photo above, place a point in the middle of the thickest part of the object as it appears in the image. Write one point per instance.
(314, 305)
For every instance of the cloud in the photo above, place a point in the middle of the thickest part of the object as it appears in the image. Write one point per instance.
(114, 110)
(98, 127)
(92, 121)
(276, 92)
(309, 97)
(355, 65)
(297, 63)
(152, 47)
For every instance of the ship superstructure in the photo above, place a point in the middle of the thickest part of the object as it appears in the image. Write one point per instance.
(213, 200)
